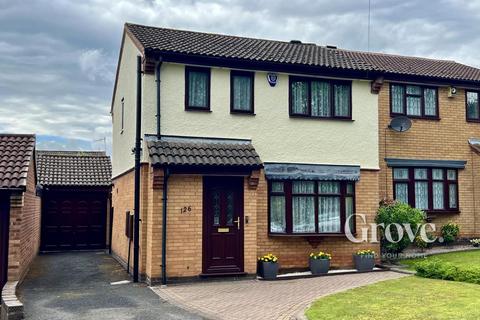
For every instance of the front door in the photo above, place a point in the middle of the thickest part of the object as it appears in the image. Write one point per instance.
(4, 224)
(223, 225)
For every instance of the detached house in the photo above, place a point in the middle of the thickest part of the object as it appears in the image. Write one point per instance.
(253, 146)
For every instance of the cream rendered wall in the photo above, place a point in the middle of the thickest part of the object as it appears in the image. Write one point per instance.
(123, 142)
(275, 136)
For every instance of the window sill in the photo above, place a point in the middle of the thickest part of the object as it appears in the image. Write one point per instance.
(299, 116)
(198, 109)
(241, 113)
(433, 212)
(393, 115)
(306, 235)
(473, 120)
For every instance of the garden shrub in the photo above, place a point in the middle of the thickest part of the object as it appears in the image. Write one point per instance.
(422, 244)
(450, 232)
(436, 269)
(400, 213)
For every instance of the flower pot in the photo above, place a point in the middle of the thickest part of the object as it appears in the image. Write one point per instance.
(364, 262)
(476, 245)
(319, 266)
(268, 270)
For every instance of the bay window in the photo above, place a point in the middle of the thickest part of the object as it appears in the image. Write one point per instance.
(429, 189)
(310, 207)
(320, 98)
(414, 101)
(197, 88)
(472, 105)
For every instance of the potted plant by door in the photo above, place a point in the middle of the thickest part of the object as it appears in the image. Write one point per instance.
(475, 242)
(364, 260)
(319, 263)
(268, 267)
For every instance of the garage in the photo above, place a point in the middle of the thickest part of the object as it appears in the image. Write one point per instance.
(75, 188)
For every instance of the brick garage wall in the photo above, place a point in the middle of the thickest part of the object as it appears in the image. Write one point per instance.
(293, 252)
(445, 139)
(123, 201)
(24, 236)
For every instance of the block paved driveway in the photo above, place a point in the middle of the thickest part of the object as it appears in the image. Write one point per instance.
(253, 299)
(77, 286)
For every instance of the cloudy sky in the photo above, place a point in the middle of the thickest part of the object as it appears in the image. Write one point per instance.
(58, 57)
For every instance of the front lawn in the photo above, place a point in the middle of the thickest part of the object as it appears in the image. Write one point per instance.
(460, 259)
(401, 299)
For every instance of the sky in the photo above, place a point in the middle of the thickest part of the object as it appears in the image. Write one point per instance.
(58, 58)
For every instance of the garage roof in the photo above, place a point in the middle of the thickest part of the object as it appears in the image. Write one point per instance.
(74, 168)
(16, 152)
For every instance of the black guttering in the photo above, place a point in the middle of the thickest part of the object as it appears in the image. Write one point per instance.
(453, 164)
(137, 150)
(157, 80)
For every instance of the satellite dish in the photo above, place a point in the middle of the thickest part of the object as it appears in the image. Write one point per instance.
(400, 124)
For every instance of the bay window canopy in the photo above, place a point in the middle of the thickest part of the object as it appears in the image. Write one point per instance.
(454, 164)
(297, 171)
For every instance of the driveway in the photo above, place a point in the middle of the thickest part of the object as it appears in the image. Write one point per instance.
(253, 299)
(78, 286)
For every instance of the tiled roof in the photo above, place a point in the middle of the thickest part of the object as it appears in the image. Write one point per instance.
(73, 168)
(16, 152)
(203, 152)
(174, 41)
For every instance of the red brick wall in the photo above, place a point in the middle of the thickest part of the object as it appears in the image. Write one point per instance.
(445, 139)
(24, 236)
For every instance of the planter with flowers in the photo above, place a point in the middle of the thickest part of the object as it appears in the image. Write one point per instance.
(319, 263)
(268, 267)
(475, 242)
(364, 260)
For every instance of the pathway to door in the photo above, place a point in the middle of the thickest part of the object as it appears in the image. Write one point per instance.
(254, 299)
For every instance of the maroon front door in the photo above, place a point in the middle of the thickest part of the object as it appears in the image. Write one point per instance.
(223, 225)
(4, 223)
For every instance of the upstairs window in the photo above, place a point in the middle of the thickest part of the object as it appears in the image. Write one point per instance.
(429, 189)
(319, 98)
(473, 108)
(197, 88)
(241, 92)
(413, 101)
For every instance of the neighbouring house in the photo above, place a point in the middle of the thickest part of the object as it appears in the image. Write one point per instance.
(75, 187)
(19, 206)
(254, 146)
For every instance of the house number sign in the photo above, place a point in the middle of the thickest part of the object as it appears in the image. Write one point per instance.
(186, 210)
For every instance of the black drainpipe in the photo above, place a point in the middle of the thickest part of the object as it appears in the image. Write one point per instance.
(137, 149)
(157, 80)
(164, 226)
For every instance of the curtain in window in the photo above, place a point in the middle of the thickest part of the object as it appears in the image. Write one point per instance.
(401, 192)
(414, 106)
(342, 100)
(398, 92)
(329, 214)
(242, 93)
(400, 173)
(430, 96)
(197, 89)
(303, 214)
(277, 214)
(452, 196)
(452, 175)
(327, 187)
(421, 174)
(300, 97)
(349, 212)
(437, 174)
(421, 195)
(438, 196)
(473, 105)
(320, 99)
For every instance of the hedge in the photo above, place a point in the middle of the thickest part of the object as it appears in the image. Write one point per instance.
(436, 269)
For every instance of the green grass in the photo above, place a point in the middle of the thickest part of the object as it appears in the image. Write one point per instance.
(460, 259)
(401, 299)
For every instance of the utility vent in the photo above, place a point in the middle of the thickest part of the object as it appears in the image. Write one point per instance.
(295, 41)
(331, 47)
